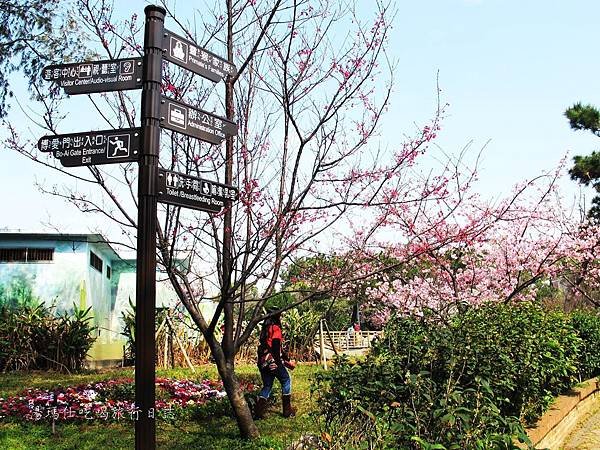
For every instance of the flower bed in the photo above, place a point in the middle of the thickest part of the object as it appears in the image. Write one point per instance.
(108, 400)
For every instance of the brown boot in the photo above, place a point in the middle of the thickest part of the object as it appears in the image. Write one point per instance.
(286, 401)
(260, 408)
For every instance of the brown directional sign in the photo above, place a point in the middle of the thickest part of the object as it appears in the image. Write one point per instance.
(93, 147)
(194, 122)
(96, 76)
(188, 55)
(192, 192)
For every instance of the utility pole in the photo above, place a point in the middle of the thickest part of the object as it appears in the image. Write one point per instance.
(145, 390)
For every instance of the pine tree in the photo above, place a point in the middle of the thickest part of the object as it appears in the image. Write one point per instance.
(33, 33)
(586, 169)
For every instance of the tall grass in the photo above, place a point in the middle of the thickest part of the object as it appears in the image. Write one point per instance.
(34, 337)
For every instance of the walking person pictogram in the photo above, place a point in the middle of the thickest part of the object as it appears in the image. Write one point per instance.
(117, 146)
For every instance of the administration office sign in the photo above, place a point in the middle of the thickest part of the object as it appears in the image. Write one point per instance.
(195, 122)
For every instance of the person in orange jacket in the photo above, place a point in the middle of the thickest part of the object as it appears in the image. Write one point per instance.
(273, 362)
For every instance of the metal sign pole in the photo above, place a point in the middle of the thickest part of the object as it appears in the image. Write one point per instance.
(145, 426)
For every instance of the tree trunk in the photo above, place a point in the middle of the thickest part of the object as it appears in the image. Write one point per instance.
(238, 402)
(225, 361)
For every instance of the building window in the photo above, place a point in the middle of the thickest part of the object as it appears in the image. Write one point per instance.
(108, 272)
(26, 254)
(40, 254)
(13, 254)
(95, 262)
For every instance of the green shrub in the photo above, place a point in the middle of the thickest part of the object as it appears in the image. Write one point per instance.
(32, 337)
(587, 326)
(300, 330)
(301, 324)
(527, 354)
(467, 383)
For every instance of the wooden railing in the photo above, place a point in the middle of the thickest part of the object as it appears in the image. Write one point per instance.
(343, 340)
(338, 342)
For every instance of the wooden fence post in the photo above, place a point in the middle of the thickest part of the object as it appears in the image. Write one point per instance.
(322, 345)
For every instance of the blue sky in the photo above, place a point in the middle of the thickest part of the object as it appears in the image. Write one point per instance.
(508, 69)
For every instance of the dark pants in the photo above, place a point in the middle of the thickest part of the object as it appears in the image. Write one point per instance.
(269, 376)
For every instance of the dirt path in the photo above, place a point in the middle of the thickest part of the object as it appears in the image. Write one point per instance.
(587, 434)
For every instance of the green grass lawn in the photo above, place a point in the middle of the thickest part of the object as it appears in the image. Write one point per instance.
(216, 432)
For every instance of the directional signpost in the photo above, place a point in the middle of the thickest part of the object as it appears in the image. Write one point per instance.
(192, 192)
(188, 55)
(194, 122)
(154, 184)
(94, 147)
(96, 76)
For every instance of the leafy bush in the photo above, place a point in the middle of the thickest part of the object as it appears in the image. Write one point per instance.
(300, 330)
(468, 383)
(32, 337)
(301, 324)
(180, 325)
(128, 318)
(587, 326)
(527, 354)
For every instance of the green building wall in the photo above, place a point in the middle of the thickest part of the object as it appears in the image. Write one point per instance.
(69, 280)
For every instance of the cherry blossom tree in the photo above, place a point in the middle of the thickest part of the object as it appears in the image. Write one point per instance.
(312, 84)
(452, 249)
(581, 277)
(313, 81)
(478, 252)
